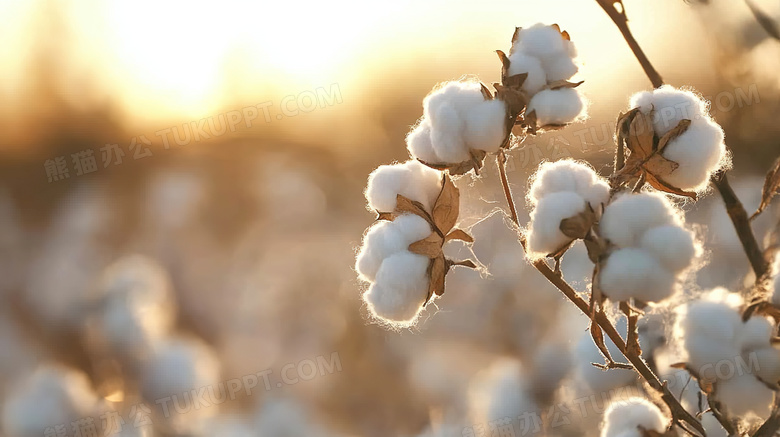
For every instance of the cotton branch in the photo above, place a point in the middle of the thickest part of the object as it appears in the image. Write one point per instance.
(620, 19)
(679, 414)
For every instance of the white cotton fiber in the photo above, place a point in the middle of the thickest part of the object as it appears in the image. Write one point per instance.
(520, 62)
(743, 395)
(500, 391)
(709, 329)
(698, 151)
(51, 396)
(669, 105)
(540, 41)
(418, 141)
(561, 67)
(556, 107)
(177, 366)
(568, 175)
(400, 288)
(625, 417)
(768, 367)
(627, 218)
(634, 272)
(674, 246)
(544, 234)
(756, 333)
(385, 238)
(456, 119)
(411, 179)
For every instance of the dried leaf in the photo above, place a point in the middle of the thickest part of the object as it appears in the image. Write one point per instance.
(475, 163)
(430, 246)
(516, 81)
(404, 204)
(565, 35)
(771, 188)
(558, 84)
(678, 130)
(640, 136)
(438, 273)
(465, 263)
(661, 185)
(504, 59)
(446, 208)
(579, 226)
(598, 339)
(459, 234)
(596, 249)
(485, 92)
(387, 216)
(516, 34)
(632, 339)
(659, 166)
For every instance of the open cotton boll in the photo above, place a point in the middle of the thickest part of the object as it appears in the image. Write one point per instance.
(635, 273)
(400, 288)
(485, 126)
(177, 366)
(540, 41)
(699, 151)
(567, 175)
(410, 179)
(627, 218)
(709, 329)
(556, 107)
(447, 134)
(743, 395)
(499, 392)
(49, 397)
(544, 233)
(418, 141)
(561, 67)
(385, 238)
(669, 105)
(674, 246)
(625, 417)
(519, 63)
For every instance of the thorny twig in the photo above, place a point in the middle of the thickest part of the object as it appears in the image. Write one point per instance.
(679, 414)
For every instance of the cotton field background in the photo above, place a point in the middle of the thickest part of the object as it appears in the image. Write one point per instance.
(354, 219)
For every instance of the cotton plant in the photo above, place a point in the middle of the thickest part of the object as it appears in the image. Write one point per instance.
(640, 255)
(463, 121)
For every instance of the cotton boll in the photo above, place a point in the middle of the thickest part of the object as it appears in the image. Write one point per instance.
(627, 219)
(674, 246)
(51, 396)
(743, 395)
(499, 392)
(556, 107)
(384, 185)
(447, 134)
(423, 185)
(698, 151)
(756, 333)
(385, 238)
(520, 62)
(709, 329)
(565, 175)
(544, 233)
(400, 288)
(561, 67)
(177, 366)
(670, 105)
(486, 125)
(623, 418)
(540, 41)
(410, 179)
(636, 273)
(768, 367)
(418, 141)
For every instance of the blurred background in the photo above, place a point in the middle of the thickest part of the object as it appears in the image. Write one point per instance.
(181, 202)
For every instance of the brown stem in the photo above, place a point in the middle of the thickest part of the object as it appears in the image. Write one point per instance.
(772, 424)
(501, 162)
(679, 414)
(739, 218)
(621, 21)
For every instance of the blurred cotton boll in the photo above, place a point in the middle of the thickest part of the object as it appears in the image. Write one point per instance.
(632, 417)
(501, 391)
(177, 367)
(134, 308)
(50, 397)
(281, 417)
